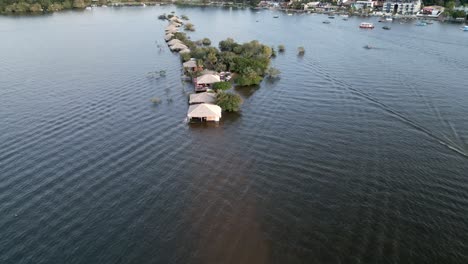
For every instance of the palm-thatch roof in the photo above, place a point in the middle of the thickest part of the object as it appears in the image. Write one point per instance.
(175, 19)
(199, 98)
(171, 28)
(168, 37)
(208, 79)
(178, 47)
(175, 24)
(209, 111)
(190, 64)
(174, 41)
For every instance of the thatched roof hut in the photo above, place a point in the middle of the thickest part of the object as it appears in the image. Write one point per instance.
(176, 19)
(190, 64)
(171, 28)
(208, 79)
(174, 41)
(200, 98)
(175, 24)
(168, 37)
(205, 112)
(178, 47)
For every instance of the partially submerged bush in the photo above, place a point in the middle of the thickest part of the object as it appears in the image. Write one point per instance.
(162, 17)
(221, 86)
(300, 51)
(189, 27)
(229, 102)
(206, 41)
(155, 100)
(273, 73)
(184, 17)
(249, 77)
(281, 48)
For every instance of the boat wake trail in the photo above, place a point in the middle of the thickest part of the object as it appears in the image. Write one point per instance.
(442, 139)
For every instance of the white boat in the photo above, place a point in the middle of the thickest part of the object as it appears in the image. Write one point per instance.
(465, 28)
(388, 19)
(88, 8)
(366, 25)
(344, 16)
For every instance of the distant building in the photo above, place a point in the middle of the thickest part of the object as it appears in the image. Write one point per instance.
(361, 5)
(402, 7)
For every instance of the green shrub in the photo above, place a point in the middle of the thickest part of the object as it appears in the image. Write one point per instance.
(281, 48)
(189, 27)
(229, 102)
(273, 73)
(206, 41)
(249, 77)
(300, 51)
(184, 17)
(221, 86)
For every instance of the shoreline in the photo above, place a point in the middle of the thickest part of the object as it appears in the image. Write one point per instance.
(37, 10)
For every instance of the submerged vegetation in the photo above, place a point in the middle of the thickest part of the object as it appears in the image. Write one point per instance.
(229, 102)
(221, 86)
(249, 61)
(281, 48)
(189, 27)
(300, 51)
(206, 41)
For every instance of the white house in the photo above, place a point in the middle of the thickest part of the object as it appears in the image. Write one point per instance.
(359, 5)
(402, 7)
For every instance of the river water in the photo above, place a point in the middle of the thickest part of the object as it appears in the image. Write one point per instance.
(353, 156)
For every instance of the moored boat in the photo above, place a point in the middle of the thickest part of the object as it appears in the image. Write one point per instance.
(421, 24)
(386, 27)
(366, 25)
(326, 22)
(465, 28)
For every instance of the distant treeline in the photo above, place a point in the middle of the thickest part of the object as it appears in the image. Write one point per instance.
(25, 6)
(22, 6)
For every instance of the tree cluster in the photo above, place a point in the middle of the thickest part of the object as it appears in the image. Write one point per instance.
(249, 60)
(24, 6)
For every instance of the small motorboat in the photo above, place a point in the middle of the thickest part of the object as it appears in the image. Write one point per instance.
(465, 28)
(275, 16)
(366, 25)
(290, 14)
(421, 24)
(386, 27)
(345, 19)
(326, 22)
(331, 17)
(368, 47)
